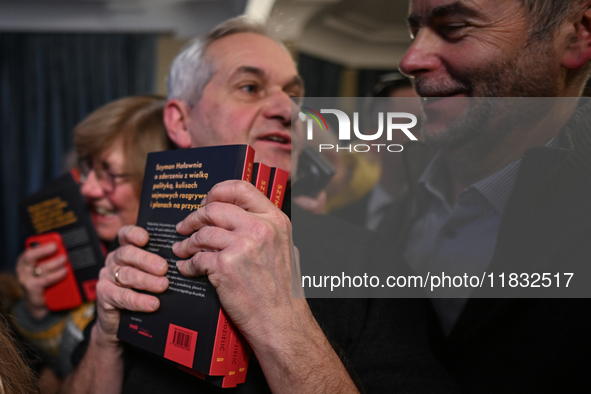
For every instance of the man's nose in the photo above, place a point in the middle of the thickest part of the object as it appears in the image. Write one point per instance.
(278, 106)
(423, 54)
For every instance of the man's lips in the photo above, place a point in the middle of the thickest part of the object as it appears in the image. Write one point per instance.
(433, 101)
(278, 138)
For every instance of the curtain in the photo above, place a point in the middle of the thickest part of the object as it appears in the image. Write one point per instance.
(321, 77)
(48, 83)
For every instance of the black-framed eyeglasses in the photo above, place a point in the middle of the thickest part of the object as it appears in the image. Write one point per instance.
(107, 180)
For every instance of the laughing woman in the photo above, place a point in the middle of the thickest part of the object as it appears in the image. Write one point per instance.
(112, 144)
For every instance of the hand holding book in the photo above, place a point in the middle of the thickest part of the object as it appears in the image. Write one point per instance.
(136, 269)
(242, 242)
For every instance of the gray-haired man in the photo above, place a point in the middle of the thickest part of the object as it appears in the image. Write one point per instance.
(234, 87)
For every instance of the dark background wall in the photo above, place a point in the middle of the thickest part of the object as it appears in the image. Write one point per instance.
(48, 83)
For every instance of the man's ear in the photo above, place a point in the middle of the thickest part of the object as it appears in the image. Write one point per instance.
(578, 41)
(176, 116)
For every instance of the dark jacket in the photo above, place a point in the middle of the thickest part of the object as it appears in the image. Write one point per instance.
(525, 345)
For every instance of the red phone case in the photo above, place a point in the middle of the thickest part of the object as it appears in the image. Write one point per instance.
(65, 294)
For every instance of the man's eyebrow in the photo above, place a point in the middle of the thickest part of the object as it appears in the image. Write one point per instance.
(456, 8)
(298, 82)
(248, 70)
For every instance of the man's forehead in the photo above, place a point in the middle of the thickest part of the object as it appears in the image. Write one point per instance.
(427, 7)
(252, 50)
(421, 11)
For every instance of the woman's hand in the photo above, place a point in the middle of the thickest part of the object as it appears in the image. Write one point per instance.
(36, 277)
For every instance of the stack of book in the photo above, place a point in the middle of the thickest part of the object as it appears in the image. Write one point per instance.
(190, 328)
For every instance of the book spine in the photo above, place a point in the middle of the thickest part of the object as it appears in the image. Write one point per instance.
(220, 350)
(277, 186)
(243, 365)
(263, 173)
(231, 378)
(235, 349)
(248, 164)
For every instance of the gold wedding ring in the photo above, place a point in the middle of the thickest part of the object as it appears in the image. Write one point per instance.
(37, 272)
(117, 277)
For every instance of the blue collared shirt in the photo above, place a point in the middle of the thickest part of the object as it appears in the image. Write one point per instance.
(461, 239)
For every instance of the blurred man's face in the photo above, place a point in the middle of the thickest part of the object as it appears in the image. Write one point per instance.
(248, 100)
(473, 48)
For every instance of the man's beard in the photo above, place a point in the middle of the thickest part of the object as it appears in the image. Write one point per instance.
(526, 74)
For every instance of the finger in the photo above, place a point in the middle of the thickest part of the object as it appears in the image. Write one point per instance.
(241, 194)
(217, 214)
(138, 258)
(295, 262)
(52, 265)
(133, 278)
(32, 256)
(133, 235)
(113, 296)
(206, 239)
(51, 278)
(244, 195)
(201, 264)
(312, 204)
(297, 290)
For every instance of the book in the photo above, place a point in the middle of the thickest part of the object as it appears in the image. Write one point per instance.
(233, 364)
(244, 359)
(238, 347)
(59, 207)
(230, 378)
(239, 350)
(260, 177)
(190, 328)
(277, 186)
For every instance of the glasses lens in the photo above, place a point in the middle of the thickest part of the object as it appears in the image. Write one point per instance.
(85, 166)
(105, 179)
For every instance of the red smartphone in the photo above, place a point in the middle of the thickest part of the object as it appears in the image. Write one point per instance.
(64, 294)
